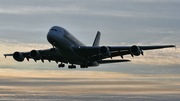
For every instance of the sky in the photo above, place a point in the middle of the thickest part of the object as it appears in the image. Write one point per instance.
(25, 24)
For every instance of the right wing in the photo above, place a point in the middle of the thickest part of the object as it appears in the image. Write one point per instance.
(47, 54)
(98, 53)
(112, 61)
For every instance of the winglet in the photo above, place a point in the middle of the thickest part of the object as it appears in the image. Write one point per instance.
(97, 39)
(5, 55)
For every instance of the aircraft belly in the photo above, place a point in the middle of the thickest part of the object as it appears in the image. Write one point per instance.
(68, 54)
(72, 57)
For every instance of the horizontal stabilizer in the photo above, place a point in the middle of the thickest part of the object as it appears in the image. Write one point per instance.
(112, 61)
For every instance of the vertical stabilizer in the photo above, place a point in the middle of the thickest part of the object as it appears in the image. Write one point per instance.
(97, 39)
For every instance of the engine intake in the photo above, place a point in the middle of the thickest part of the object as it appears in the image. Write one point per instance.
(18, 56)
(135, 50)
(104, 51)
(35, 55)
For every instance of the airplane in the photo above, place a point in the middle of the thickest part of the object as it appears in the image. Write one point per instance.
(69, 50)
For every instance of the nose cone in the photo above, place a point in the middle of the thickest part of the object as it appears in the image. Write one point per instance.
(51, 36)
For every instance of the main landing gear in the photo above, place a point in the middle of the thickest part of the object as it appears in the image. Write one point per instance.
(61, 65)
(84, 66)
(72, 67)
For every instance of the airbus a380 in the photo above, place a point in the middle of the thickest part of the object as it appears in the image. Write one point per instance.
(69, 50)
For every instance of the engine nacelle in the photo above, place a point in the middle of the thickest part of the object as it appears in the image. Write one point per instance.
(135, 50)
(104, 51)
(35, 55)
(18, 56)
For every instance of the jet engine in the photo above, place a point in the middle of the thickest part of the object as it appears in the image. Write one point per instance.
(135, 50)
(104, 51)
(18, 56)
(35, 55)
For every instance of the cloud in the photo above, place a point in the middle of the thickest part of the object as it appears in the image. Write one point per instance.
(38, 10)
(24, 25)
(18, 84)
(130, 21)
(159, 57)
(60, 74)
(86, 8)
(70, 10)
(154, 0)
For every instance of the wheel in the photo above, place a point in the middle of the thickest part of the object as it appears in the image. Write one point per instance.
(84, 66)
(61, 65)
(72, 67)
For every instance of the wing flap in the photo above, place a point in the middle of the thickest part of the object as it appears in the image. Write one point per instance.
(112, 61)
(155, 47)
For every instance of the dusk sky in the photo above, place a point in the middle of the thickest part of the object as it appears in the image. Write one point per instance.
(25, 24)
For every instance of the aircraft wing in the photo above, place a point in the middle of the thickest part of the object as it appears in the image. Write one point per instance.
(114, 48)
(47, 54)
(112, 61)
(97, 53)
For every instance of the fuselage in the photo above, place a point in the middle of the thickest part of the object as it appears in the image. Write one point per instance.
(64, 41)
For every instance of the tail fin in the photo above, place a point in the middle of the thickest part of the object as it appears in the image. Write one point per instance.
(97, 39)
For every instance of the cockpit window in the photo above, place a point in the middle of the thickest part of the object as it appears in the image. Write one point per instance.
(54, 30)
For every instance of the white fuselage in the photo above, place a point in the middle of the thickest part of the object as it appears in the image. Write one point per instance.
(64, 41)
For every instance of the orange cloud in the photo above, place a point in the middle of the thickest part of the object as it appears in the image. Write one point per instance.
(78, 83)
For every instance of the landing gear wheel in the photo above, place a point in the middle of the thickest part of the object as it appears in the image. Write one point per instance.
(83, 66)
(61, 65)
(72, 67)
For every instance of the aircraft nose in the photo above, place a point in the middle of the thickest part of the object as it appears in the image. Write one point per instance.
(51, 36)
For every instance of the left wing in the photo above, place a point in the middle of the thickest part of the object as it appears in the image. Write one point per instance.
(99, 53)
(47, 54)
